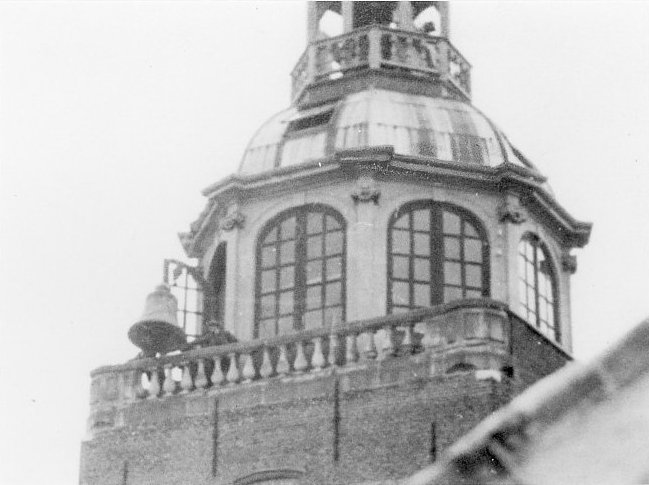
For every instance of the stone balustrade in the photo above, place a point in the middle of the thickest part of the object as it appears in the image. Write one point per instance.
(447, 330)
(378, 47)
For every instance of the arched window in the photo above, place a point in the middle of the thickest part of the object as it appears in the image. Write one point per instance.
(300, 271)
(437, 253)
(537, 287)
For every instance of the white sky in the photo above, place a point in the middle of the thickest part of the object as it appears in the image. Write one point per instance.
(113, 116)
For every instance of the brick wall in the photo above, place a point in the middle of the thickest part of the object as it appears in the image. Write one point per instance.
(379, 416)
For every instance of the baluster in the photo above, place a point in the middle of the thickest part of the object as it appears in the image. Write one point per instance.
(248, 369)
(154, 384)
(370, 346)
(406, 344)
(169, 385)
(318, 360)
(201, 379)
(266, 369)
(351, 352)
(217, 376)
(139, 390)
(186, 383)
(300, 363)
(334, 346)
(282, 362)
(387, 345)
(233, 372)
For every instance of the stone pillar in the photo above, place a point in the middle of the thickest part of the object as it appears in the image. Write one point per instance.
(348, 16)
(403, 16)
(230, 224)
(444, 15)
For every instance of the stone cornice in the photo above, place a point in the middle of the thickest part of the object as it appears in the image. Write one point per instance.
(527, 183)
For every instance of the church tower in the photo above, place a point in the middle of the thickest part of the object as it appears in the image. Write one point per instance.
(384, 270)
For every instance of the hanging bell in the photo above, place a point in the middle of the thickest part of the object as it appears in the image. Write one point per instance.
(157, 331)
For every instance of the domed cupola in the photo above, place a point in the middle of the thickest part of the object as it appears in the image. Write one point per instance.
(384, 270)
(381, 189)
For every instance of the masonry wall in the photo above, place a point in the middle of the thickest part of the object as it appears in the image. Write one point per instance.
(378, 421)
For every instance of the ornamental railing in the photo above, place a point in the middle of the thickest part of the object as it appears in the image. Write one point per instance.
(378, 47)
(477, 323)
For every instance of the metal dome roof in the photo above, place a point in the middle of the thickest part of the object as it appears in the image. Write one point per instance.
(442, 129)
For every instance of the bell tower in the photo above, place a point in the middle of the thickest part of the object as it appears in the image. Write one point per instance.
(384, 270)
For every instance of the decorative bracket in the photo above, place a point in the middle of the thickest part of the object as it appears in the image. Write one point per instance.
(511, 211)
(232, 218)
(366, 189)
(569, 263)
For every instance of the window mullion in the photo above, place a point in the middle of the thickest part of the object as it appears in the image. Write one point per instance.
(436, 255)
(537, 289)
(299, 303)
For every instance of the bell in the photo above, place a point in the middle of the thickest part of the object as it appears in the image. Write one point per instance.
(157, 331)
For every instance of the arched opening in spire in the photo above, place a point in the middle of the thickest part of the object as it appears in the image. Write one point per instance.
(427, 17)
(374, 13)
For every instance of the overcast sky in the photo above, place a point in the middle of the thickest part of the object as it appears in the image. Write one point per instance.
(113, 116)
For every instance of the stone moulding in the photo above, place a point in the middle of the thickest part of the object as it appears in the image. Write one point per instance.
(476, 332)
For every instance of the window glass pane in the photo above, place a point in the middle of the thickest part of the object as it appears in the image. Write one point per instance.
(473, 250)
(268, 281)
(314, 297)
(452, 273)
(469, 230)
(422, 244)
(267, 328)
(400, 309)
(332, 223)
(529, 251)
(402, 222)
(271, 236)
(521, 266)
(400, 242)
(522, 292)
(421, 268)
(267, 306)
(421, 220)
(543, 312)
(451, 223)
(287, 252)
(287, 277)
(288, 229)
(422, 295)
(334, 243)
(400, 267)
(451, 248)
(333, 294)
(285, 325)
(473, 275)
(334, 268)
(452, 293)
(286, 302)
(314, 222)
(268, 256)
(313, 319)
(473, 294)
(314, 247)
(314, 271)
(333, 316)
(400, 293)
(531, 300)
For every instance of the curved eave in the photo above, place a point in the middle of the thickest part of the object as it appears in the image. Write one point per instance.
(527, 182)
